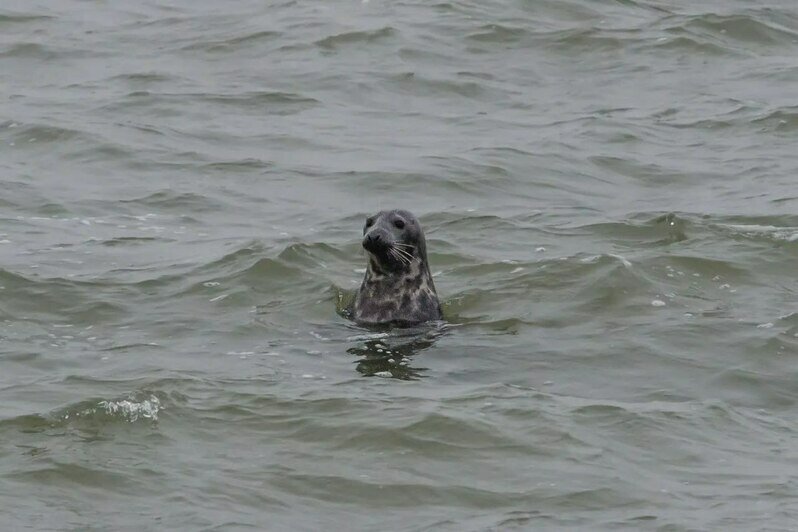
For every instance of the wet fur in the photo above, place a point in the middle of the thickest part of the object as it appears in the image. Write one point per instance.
(396, 291)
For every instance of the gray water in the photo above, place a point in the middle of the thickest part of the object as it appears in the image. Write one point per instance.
(609, 192)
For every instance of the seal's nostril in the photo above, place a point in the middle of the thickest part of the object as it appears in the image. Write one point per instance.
(373, 241)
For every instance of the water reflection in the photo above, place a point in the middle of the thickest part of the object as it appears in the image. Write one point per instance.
(392, 354)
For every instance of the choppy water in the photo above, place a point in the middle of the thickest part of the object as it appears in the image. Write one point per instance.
(609, 191)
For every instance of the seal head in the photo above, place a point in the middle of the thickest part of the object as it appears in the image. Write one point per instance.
(397, 288)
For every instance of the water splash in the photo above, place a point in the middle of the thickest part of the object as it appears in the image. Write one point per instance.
(130, 410)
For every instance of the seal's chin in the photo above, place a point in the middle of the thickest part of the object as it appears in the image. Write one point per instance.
(384, 260)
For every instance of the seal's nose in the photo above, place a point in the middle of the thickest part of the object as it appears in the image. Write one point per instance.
(375, 241)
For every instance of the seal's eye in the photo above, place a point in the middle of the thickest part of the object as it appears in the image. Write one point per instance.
(369, 222)
(399, 224)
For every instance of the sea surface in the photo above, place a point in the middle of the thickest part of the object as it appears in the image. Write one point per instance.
(610, 195)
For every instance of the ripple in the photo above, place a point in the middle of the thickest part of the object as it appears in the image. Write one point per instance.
(73, 475)
(129, 241)
(271, 271)
(241, 164)
(340, 40)
(258, 100)
(417, 83)
(261, 102)
(662, 230)
(45, 133)
(235, 44)
(498, 33)
(395, 494)
(768, 229)
(57, 300)
(311, 254)
(180, 202)
(742, 28)
(783, 120)
(10, 18)
(688, 44)
(30, 51)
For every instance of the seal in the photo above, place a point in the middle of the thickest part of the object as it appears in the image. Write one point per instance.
(397, 288)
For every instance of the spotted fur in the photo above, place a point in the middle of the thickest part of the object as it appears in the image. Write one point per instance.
(397, 288)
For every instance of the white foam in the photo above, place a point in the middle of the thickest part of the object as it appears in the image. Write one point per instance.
(790, 234)
(623, 260)
(131, 410)
(361, 337)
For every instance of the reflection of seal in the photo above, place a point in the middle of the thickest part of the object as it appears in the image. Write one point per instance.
(398, 287)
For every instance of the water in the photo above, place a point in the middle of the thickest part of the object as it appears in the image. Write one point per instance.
(609, 193)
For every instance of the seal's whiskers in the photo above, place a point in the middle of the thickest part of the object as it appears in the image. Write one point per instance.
(403, 256)
(395, 254)
(408, 258)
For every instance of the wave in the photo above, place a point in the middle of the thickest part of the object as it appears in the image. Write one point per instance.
(356, 37)
(171, 200)
(782, 120)
(137, 407)
(739, 28)
(261, 102)
(650, 231)
(498, 33)
(45, 133)
(146, 77)
(31, 51)
(772, 229)
(235, 44)
(11, 18)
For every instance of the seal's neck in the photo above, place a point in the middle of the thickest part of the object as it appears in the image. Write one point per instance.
(417, 270)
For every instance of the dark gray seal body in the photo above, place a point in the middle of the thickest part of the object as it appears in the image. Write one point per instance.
(397, 288)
